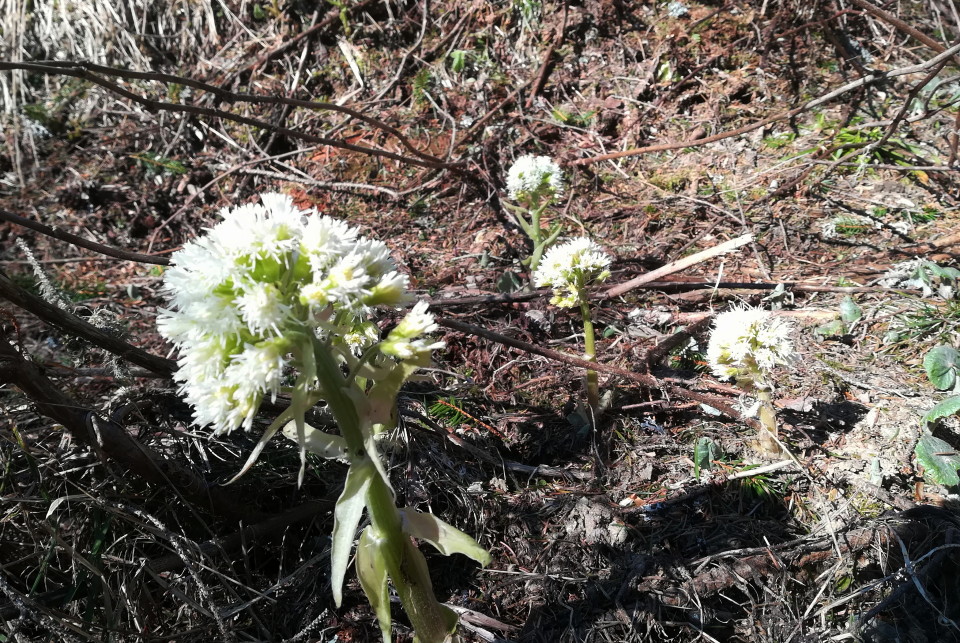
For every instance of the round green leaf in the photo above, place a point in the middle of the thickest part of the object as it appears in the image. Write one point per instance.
(849, 310)
(940, 461)
(946, 408)
(941, 364)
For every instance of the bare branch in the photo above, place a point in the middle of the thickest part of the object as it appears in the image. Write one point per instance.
(109, 251)
(72, 324)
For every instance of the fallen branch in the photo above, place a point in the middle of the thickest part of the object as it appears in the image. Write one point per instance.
(678, 265)
(84, 72)
(70, 323)
(109, 439)
(648, 381)
(99, 248)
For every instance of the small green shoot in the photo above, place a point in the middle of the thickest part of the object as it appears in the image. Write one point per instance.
(156, 164)
(850, 312)
(704, 455)
(458, 60)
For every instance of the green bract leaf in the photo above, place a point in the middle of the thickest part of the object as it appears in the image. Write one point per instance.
(941, 364)
(346, 517)
(372, 572)
(331, 447)
(831, 329)
(446, 538)
(946, 408)
(940, 461)
(704, 454)
(849, 310)
(261, 443)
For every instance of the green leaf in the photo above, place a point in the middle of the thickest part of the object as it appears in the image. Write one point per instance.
(849, 310)
(261, 443)
(372, 572)
(458, 60)
(946, 408)
(704, 454)
(325, 445)
(346, 518)
(509, 282)
(940, 461)
(831, 329)
(941, 366)
(446, 538)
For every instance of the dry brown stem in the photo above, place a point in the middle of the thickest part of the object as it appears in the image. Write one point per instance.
(111, 440)
(679, 264)
(62, 235)
(86, 72)
(869, 79)
(70, 323)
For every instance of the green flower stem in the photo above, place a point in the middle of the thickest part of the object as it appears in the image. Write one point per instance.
(533, 230)
(590, 354)
(404, 563)
(767, 437)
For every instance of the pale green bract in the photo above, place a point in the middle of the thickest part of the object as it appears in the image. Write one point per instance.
(748, 342)
(569, 268)
(263, 277)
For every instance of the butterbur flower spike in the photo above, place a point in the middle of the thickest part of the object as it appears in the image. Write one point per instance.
(746, 344)
(533, 176)
(749, 342)
(264, 275)
(570, 268)
(534, 182)
(274, 299)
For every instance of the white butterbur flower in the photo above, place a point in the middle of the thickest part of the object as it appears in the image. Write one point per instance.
(266, 277)
(569, 268)
(747, 343)
(534, 176)
(406, 341)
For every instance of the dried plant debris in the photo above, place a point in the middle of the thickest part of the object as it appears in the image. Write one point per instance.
(628, 505)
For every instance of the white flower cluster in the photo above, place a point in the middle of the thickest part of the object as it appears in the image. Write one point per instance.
(532, 177)
(247, 294)
(569, 268)
(747, 343)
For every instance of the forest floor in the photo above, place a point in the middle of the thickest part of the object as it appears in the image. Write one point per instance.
(661, 524)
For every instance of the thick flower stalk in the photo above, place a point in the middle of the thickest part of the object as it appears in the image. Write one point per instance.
(570, 269)
(534, 182)
(274, 300)
(746, 344)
